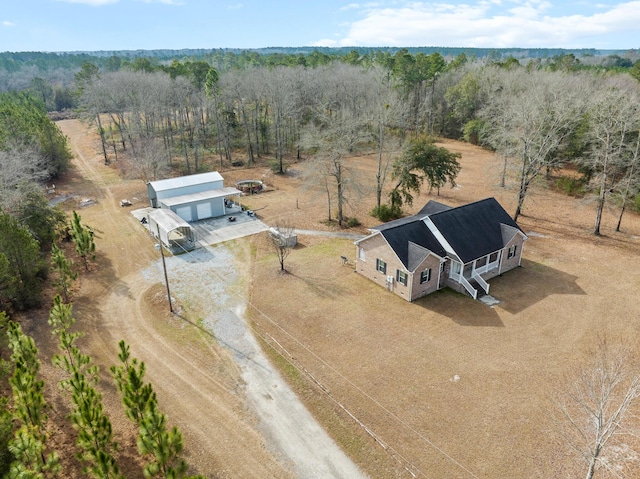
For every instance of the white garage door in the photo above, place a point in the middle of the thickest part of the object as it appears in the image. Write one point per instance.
(184, 212)
(203, 210)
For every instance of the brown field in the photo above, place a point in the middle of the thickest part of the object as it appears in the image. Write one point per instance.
(390, 363)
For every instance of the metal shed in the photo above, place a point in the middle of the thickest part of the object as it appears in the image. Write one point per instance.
(173, 232)
(183, 185)
(202, 205)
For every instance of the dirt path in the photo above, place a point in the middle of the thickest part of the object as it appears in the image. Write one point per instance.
(239, 418)
(198, 386)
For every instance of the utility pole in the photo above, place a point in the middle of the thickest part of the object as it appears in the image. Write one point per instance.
(164, 266)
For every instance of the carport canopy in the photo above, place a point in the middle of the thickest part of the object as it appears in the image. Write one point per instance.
(171, 228)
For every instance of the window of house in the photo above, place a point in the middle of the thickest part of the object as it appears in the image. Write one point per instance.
(425, 276)
(512, 251)
(361, 254)
(455, 267)
(481, 262)
(381, 266)
(493, 257)
(401, 277)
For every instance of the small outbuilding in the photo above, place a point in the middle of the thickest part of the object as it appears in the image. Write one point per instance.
(171, 230)
(194, 197)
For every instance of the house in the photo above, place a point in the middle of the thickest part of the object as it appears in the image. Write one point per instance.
(461, 248)
(194, 197)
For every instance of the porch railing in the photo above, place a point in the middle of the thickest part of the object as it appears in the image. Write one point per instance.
(487, 267)
(470, 289)
(483, 284)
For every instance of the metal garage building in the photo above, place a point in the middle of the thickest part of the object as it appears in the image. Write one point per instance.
(174, 232)
(193, 197)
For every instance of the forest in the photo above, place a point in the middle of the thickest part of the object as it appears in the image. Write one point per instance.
(563, 121)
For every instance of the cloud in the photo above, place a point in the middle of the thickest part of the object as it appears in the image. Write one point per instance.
(92, 3)
(325, 42)
(489, 24)
(164, 2)
(236, 6)
(7, 23)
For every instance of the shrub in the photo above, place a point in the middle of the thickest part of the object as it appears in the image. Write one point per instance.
(571, 186)
(635, 205)
(237, 163)
(472, 132)
(274, 166)
(352, 222)
(386, 213)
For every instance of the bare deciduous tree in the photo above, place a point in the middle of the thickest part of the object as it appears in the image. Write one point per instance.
(19, 164)
(537, 114)
(151, 162)
(280, 236)
(614, 117)
(593, 412)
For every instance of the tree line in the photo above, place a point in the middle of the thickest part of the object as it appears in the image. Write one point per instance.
(537, 117)
(33, 152)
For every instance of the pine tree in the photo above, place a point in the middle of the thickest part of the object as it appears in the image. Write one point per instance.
(95, 435)
(129, 379)
(28, 445)
(66, 275)
(82, 237)
(163, 445)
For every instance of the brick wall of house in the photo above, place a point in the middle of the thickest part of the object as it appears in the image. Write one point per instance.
(376, 247)
(419, 290)
(510, 263)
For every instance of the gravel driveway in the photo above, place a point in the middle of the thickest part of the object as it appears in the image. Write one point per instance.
(207, 281)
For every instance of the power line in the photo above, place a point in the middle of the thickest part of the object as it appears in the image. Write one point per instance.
(405, 462)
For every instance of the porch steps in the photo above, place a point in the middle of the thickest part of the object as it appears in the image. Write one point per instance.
(478, 288)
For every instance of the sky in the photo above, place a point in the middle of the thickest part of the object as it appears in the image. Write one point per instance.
(94, 25)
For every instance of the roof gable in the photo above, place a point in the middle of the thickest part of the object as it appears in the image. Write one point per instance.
(183, 181)
(415, 232)
(508, 232)
(417, 255)
(476, 229)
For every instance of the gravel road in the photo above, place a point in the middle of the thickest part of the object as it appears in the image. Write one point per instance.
(208, 282)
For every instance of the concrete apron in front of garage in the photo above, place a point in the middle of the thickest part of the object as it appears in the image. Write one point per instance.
(217, 230)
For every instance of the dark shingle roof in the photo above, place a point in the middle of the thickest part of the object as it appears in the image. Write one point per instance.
(430, 208)
(474, 230)
(417, 232)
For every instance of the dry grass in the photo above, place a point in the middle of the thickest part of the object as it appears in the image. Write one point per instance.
(390, 363)
(394, 365)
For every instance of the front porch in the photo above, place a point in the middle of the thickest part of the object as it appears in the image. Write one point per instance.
(470, 275)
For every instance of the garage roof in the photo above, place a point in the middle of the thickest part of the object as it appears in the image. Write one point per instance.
(203, 195)
(167, 219)
(182, 181)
